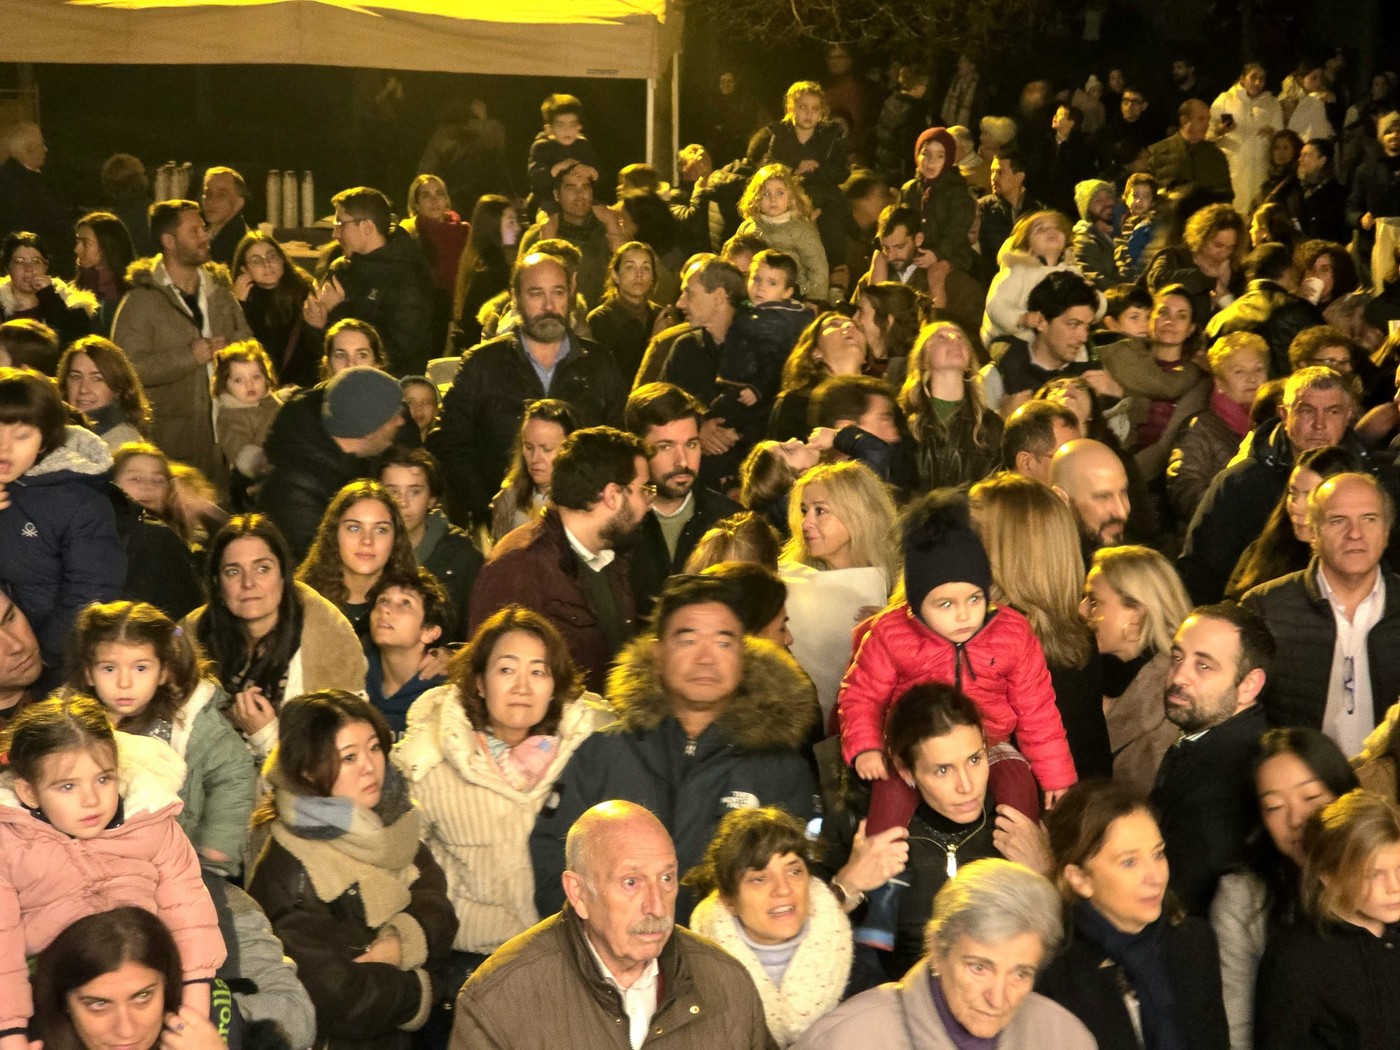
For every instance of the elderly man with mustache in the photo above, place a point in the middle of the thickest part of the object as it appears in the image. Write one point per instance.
(612, 969)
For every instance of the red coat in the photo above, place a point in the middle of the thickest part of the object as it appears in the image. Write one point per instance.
(1001, 668)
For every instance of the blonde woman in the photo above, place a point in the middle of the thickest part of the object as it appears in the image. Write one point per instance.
(1038, 245)
(1330, 983)
(1037, 569)
(957, 445)
(840, 565)
(1134, 602)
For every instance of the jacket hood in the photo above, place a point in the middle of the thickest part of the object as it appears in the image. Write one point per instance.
(434, 529)
(142, 273)
(71, 294)
(440, 730)
(149, 773)
(775, 707)
(1084, 193)
(82, 453)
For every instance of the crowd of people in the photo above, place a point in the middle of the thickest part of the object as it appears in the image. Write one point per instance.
(923, 580)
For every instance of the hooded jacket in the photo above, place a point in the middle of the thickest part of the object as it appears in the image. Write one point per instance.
(65, 308)
(751, 755)
(49, 880)
(392, 289)
(1019, 272)
(155, 328)
(220, 776)
(59, 548)
(1001, 668)
(475, 822)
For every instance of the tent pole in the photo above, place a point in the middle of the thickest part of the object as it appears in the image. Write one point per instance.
(651, 121)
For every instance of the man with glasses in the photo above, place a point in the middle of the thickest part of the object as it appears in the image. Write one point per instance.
(382, 278)
(1337, 622)
(1126, 133)
(569, 565)
(181, 309)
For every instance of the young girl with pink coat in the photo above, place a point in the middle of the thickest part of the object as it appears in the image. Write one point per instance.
(87, 824)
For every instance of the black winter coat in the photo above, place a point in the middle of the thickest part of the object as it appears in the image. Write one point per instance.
(1333, 989)
(1089, 985)
(1267, 309)
(450, 555)
(651, 559)
(307, 469)
(1305, 630)
(1236, 508)
(392, 289)
(481, 413)
(358, 1005)
(1204, 796)
(750, 756)
(947, 209)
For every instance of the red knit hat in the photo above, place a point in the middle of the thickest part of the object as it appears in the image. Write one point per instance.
(941, 136)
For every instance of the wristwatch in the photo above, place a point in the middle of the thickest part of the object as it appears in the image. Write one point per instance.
(845, 898)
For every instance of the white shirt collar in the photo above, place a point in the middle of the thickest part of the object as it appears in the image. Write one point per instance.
(597, 562)
(685, 505)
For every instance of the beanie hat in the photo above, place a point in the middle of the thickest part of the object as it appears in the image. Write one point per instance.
(939, 135)
(359, 401)
(1084, 193)
(941, 547)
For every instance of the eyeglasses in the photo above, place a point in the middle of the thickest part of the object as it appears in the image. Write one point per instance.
(649, 491)
(339, 222)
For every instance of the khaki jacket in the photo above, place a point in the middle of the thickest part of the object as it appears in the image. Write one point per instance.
(543, 991)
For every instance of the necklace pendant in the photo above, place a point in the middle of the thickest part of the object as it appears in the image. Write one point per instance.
(952, 863)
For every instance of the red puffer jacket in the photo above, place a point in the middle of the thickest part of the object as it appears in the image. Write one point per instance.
(1001, 668)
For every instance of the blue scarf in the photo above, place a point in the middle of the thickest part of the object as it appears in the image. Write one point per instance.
(1143, 957)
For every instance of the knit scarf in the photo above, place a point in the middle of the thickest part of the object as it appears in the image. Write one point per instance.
(1143, 959)
(524, 764)
(342, 844)
(104, 419)
(1232, 415)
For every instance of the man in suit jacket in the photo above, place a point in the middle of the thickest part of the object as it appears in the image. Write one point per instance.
(1220, 662)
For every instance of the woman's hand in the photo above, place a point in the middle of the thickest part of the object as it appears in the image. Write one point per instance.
(716, 439)
(189, 1030)
(808, 165)
(331, 294)
(251, 710)
(386, 949)
(313, 313)
(1020, 839)
(822, 438)
(871, 765)
(875, 860)
(434, 663)
(242, 286)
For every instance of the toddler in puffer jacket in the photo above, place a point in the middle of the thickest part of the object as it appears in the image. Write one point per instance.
(945, 631)
(87, 824)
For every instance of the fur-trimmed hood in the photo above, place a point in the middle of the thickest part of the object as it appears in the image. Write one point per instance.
(72, 296)
(82, 453)
(775, 707)
(150, 273)
(149, 772)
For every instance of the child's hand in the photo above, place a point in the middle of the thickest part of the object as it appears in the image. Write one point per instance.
(747, 396)
(189, 1030)
(870, 765)
(4, 498)
(1052, 797)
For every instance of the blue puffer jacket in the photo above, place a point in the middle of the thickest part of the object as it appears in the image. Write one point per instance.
(59, 548)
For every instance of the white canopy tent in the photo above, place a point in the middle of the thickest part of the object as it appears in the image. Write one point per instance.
(630, 39)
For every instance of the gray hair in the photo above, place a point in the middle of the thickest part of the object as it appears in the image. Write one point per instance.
(992, 901)
(1315, 377)
(20, 135)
